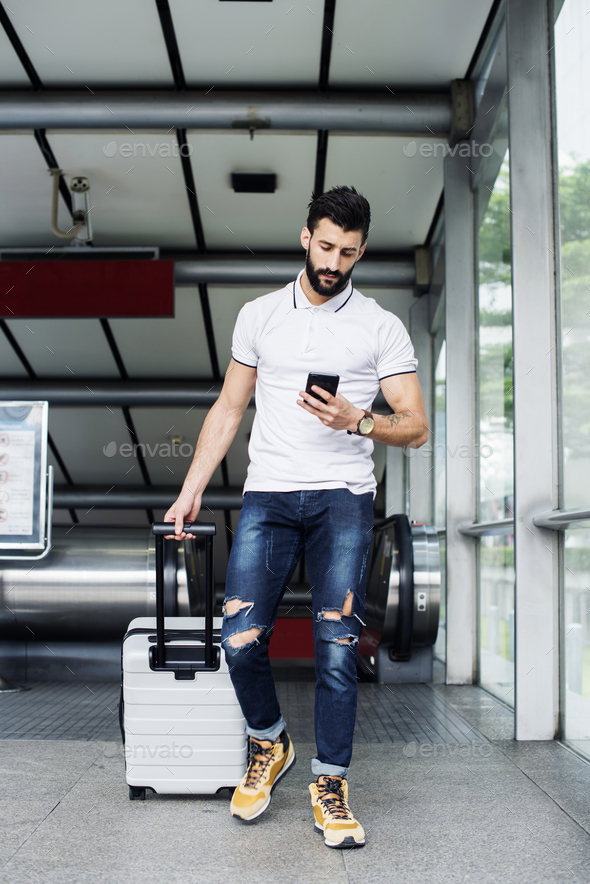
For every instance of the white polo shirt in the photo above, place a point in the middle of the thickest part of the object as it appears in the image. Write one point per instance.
(285, 337)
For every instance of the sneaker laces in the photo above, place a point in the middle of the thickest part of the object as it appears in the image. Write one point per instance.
(332, 797)
(257, 765)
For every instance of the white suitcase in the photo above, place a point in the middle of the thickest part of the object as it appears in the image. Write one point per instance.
(182, 726)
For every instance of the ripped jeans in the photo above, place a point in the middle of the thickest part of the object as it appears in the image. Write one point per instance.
(334, 527)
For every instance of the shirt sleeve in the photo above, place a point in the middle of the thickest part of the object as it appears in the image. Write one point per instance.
(243, 347)
(396, 352)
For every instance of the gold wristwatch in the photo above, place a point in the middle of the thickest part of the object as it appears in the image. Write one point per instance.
(365, 426)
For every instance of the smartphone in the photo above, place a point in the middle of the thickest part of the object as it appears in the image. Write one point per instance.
(328, 382)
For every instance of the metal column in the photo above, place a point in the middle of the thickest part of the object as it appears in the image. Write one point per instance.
(396, 462)
(421, 462)
(461, 420)
(535, 386)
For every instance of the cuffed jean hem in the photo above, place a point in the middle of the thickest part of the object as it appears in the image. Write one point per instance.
(319, 769)
(270, 733)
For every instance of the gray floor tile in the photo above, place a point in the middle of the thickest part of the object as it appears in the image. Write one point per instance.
(440, 802)
(493, 720)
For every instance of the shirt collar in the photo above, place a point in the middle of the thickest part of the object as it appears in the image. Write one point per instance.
(331, 305)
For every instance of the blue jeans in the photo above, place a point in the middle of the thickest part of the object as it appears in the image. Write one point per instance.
(334, 527)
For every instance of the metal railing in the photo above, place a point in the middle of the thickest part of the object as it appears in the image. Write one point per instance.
(478, 529)
(554, 520)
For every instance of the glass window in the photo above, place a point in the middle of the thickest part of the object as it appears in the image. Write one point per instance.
(494, 440)
(572, 72)
(440, 489)
(483, 69)
(576, 629)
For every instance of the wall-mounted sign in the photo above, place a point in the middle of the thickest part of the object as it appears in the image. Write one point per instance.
(87, 288)
(23, 475)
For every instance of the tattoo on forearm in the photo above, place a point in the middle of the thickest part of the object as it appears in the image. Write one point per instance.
(394, 419)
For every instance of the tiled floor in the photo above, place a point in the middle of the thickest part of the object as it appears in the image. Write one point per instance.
(62, 711)
(386, 713)
(444, 792)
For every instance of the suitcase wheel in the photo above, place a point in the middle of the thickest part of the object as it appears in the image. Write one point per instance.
(136, 793)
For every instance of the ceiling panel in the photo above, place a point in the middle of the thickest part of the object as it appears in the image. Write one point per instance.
(138, 200)
(73, 44)
(26, 194)
(226, 302)
(65, 348)
(58, 476)
(395, 43)
(89, 441)
(168, 464)
(227, 44)
(403, 190)
(166, 348)
(397, 301)
(10, 364)
(12, 73)
(237, 456)
(253, 220)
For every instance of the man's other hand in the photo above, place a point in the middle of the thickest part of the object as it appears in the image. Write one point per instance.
(184, 509)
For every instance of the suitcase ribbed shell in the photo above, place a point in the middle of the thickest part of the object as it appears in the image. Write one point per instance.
(181, 737)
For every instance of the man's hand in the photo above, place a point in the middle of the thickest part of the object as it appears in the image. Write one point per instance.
(184, 509)
(337, 412)
(407, 426)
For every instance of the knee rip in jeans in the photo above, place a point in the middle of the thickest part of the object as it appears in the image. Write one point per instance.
(337, 615)
(231, 608)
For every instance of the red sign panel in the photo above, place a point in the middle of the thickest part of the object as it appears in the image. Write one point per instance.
(292, 639)
(82, 289)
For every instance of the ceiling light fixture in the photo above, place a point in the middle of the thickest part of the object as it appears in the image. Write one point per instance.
(254, 182)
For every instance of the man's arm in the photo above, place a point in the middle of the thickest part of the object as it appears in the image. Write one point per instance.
(406, 427)
(217, 434)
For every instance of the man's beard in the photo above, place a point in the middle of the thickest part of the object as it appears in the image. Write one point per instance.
(338, 284)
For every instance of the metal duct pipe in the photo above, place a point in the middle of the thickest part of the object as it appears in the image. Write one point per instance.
(138, 497)
(92, 584)
(275, 271)
(384, 111)
(135, 394)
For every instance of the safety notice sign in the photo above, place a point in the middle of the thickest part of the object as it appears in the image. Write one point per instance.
(17, 478)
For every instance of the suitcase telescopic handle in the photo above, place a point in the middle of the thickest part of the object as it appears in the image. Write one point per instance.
(194, 528)
(208, 529)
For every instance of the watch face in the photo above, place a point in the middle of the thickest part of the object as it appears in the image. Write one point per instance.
(366, 426)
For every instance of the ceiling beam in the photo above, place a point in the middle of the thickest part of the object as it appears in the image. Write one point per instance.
(403, 113)
(138, 497)
(115, 393)
(91, 392)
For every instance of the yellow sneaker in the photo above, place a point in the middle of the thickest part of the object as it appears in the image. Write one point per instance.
(333, 818)
(268, 764)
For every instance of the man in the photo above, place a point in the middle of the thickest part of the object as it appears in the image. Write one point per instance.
(310, 486)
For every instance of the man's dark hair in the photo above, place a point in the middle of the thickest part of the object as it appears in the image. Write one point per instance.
(344, 206)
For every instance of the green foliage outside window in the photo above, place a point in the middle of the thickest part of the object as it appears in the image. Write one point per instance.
(574, 211)
(495, 269)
